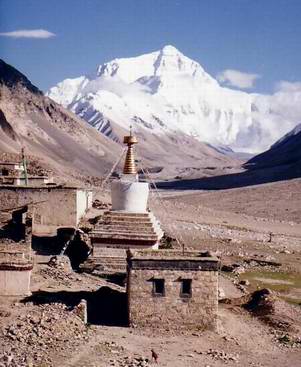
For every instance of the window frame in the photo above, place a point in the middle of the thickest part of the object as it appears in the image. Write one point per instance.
(186, 294)
(155, 282)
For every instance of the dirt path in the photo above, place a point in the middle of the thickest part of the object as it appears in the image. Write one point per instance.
(240, 340)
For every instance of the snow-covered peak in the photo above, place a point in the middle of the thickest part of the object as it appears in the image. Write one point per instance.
(165, 92)
(170, 50)
(172, 61)
(167, 61)
(129, 69)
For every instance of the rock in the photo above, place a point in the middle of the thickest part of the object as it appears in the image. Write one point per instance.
(239, 270)
(81, 311)
(206, 254)
(227, 268)
(221, 293)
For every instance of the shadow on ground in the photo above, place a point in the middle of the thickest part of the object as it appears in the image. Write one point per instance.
(46, 245)
(106, 306)
(235, 180)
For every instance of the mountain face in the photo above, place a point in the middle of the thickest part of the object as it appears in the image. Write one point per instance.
(165, 92)
(284, 154)
(66, 144)
(74, 148)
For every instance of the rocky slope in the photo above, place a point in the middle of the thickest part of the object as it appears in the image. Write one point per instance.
(165, 92)
(56, 136)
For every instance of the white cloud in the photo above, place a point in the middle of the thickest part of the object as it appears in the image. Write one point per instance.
(277, 113)
(284, 86)
(28, 33)
(287, 100)
(236, 78)
(115, 85)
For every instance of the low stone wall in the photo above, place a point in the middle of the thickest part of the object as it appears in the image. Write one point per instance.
(14, 282)
(15, 273)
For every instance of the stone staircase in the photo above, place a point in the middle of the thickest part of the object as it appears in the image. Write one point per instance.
(115, 233)
(125, 230)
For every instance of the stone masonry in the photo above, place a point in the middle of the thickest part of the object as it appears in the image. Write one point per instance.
(171, 290)
(51, 207)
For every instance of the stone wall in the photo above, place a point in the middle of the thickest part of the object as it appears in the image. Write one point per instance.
(15, 270)
(51, 207)
(84, 200)
(15, 282)
(173, 310)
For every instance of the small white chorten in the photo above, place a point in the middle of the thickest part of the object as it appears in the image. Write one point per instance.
(128, 194)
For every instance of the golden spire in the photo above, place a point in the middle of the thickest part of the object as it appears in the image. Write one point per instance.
(129, 164)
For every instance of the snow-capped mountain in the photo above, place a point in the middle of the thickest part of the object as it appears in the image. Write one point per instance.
(166, 92)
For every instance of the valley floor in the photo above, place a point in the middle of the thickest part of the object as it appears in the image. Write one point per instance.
(258, 223)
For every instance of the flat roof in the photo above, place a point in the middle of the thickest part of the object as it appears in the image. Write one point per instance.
(42, 187)
(9, 163)
(166, 260)
(23, 178)
(169, 255)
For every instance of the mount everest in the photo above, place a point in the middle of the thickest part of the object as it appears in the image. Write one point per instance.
(74, 149)
(165, 92)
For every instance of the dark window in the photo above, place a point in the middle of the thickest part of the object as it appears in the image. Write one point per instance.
(158, 287)
(4, 172)
(186, 288)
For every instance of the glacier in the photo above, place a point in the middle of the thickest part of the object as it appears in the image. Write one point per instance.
(167, 92)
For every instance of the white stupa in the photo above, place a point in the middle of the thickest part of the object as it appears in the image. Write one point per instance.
(130, 224)
(128, 194)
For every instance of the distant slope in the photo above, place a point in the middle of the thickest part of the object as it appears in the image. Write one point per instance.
(59, 138)
(286, 150)
(284, 155)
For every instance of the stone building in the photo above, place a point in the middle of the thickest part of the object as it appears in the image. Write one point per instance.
(51, 207)
(172, 290)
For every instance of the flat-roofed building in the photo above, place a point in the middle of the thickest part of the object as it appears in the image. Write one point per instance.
(170, 289)
(52, 207)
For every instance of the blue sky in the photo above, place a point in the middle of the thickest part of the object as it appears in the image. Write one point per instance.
(254, 36)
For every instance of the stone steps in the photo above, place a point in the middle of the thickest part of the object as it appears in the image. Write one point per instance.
(123, 235)
(125, 229)
(120, 228)
(126, 220)
(125, 224)
(126, 214)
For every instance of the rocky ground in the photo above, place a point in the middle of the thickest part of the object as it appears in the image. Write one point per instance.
(257, 234)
